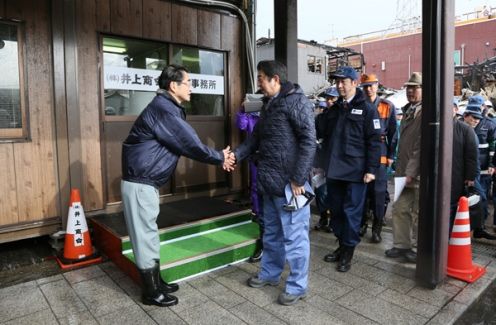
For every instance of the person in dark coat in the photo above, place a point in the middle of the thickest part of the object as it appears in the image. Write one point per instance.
(285, 139)
(352, 131)
(159, 136)
(464, 164)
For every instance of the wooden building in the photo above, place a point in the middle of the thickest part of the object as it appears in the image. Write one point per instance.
(76, 73)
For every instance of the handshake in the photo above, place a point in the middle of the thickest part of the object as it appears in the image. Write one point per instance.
(229, 159)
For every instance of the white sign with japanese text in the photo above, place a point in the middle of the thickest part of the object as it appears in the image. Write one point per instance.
(147, 80)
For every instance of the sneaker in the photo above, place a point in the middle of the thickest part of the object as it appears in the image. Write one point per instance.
(256, 282)
(287, 299)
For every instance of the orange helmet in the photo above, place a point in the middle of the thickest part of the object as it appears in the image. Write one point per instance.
(368, 79)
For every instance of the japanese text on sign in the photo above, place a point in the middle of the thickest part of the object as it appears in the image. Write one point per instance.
(147, 80)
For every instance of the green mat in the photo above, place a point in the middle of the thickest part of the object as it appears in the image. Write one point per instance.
(196, 228)
(184, 257)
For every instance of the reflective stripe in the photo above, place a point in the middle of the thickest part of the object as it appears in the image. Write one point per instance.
(462, 215)
(483, 145)
(461, 228)
(459, 241)
(484, 172)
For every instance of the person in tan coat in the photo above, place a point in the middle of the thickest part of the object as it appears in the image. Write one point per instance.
(405, 209)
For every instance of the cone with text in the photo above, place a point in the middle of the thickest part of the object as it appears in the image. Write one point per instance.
(78, 250)
(460, 264)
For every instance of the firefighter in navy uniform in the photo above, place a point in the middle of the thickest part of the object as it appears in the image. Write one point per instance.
(486, 133)
(353, 144)
(377, 194)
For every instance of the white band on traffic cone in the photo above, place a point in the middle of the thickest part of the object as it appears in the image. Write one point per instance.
(461, 228)
(462, 215)
(459, 241)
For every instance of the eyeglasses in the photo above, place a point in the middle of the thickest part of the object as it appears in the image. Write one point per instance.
(186, 83)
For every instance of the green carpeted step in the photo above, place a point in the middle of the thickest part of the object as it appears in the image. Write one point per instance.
(183, 257)
(197, 227)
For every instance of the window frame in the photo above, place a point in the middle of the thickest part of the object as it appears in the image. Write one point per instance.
(22, 133)
(170, 45)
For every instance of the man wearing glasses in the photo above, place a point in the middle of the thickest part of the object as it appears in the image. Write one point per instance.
(150, 153)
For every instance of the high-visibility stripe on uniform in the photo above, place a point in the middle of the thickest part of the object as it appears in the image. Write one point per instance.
(483, 145)
(384, 110)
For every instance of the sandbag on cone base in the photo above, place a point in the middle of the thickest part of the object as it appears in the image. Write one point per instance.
(460, 250)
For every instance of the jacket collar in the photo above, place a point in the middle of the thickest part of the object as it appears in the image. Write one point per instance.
(287, 88)
(164, 93)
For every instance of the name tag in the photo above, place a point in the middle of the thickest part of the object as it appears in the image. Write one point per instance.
(357, 111)
(377, 124)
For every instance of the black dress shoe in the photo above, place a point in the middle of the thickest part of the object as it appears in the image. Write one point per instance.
(396, 252)
(376, 238)
(481, 233)
(334, 256)
(411, 256)
(344, 264)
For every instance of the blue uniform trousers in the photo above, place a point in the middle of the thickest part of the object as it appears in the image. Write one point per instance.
(285, 238)
(376, 192)
(346, 201)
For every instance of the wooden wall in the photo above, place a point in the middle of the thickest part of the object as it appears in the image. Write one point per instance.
(29, 173)
(30, 185)
(148, 19)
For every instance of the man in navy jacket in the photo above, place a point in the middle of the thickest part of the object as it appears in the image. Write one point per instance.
(353, 142)
(285, 139)
(150, 153)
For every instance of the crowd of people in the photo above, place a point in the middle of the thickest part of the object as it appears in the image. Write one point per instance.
(345, 147)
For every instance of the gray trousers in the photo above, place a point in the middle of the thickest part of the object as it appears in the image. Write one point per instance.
(141, 208)
(405, 218)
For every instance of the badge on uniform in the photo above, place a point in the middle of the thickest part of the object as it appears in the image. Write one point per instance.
(356, 111)
(377, 124)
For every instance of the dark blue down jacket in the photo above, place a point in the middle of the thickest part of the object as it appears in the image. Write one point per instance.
(157, 139)
(285, 139)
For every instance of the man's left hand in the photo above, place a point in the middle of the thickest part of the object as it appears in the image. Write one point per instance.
(368, 178)
(297, 190)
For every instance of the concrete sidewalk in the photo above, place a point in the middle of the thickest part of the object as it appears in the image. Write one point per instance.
(376, 290)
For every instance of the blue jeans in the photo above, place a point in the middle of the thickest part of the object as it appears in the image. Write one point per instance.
(285, 238)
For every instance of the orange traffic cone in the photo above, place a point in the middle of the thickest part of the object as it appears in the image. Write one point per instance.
(77, 248)
(460, 250)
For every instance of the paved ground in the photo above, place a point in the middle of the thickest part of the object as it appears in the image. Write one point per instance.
(376, 290)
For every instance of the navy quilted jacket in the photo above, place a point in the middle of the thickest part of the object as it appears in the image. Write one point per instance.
(285, 139)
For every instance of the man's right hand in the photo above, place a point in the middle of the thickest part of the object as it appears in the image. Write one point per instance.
(229, 159)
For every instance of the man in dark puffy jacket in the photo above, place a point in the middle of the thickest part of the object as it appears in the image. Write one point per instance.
(285, 139)
(150, 153)
(352, 132)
